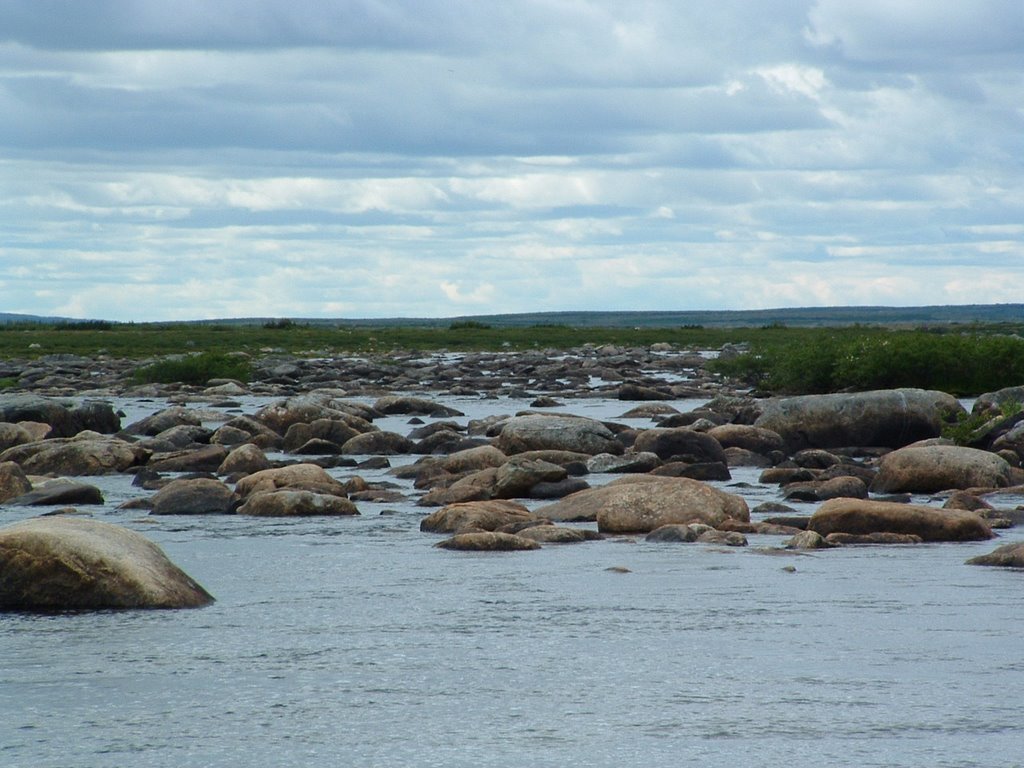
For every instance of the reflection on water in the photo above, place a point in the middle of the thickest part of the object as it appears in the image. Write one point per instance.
(354, 642)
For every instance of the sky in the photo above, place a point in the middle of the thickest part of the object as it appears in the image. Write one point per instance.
(186, 159)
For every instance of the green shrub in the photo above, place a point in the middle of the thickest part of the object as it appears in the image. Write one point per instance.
(469, 325)
(860, 359)
(195, 369)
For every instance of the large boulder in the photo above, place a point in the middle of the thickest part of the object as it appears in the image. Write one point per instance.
(863, 516)
(310, 477)
(561, 433)
(476, 515)
(60, 492)
(641, 503)
(193, 496)
(378, 444)
(682, 444)
(62, 563)
(296, 503)
(88, 453)
(65, 418)
(889, 418)
(931, 468)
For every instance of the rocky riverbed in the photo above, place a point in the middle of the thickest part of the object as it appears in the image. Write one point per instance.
(858, 468)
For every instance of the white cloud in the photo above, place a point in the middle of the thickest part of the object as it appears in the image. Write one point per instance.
(178, 160)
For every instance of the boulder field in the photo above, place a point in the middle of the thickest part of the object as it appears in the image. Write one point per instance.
(506, 482)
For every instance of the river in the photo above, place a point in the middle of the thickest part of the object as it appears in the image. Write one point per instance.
(355, 642)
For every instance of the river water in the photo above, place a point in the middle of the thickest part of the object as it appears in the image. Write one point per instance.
(355, 642)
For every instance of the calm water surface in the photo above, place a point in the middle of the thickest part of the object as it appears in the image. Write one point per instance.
(353, 642)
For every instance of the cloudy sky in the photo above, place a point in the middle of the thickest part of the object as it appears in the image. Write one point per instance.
(187, 159)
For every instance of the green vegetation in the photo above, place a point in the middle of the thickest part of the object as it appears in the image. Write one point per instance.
(862, 358)
(195, 369)
(960, 359)
(968, 427)
(7, 382)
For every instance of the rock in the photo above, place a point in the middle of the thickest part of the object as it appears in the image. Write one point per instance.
(296, 503)
(558, 489)
(308, 408)
(726, 538)
(641, 503)
(13, 481)
(378, 444)
(414, 405)
(59, 492)
(63, 563)
(650, 411)
(333, 431)
(473, 459)
(553, 534)
(175, 438)
(476, 486)
(308, 477)
(862, 516)
(488, 541)
(757, 439)
(680, 444)
(633, 391)
(86, 454)
(626, 463)
(480, 515)
(891, 418)
(674, 533)
(245, 459)
(564, 433)
(807, 540)
(741, 457)
(163, 420)
(927, 469)
(1006, 556)
(196, 496)
(704, 470)
(878, 537)
(15, 434)
(517, 476)
(820, 490)
(65, 419)
(207, 458)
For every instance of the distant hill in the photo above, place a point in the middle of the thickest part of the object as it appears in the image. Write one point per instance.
(798, 316)
(792, 316)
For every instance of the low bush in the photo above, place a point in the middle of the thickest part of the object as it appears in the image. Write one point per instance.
(863, 359)
(195, 369)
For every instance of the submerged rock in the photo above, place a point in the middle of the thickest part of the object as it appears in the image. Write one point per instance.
(488, 541)
(1006, 556)
(70, 563)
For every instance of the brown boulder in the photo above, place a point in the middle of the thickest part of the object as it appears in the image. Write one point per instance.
(931, 468)
(479, 515)
(641, 503)
(488, 541)
(1006, 556)
(296, 503)
(61, 563)
(297, 476)
(86, 454)
(862, 516)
